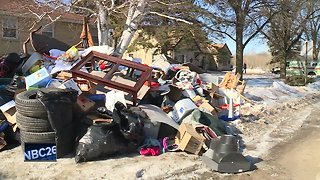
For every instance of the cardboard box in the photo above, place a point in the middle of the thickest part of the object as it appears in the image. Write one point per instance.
(9, 111)
(207, 106)
(188, 139)
(86, 86)
(38, 79)
(84, 104)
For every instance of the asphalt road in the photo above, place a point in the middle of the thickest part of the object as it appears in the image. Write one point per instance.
(297, 158)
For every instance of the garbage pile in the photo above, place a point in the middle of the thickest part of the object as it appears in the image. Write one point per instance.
(94, 105)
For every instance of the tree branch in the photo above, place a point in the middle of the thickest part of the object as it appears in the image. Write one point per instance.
(169, 4)
(170, 17)
(259, 29)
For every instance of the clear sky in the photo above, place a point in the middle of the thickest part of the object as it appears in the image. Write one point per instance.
(254, 46)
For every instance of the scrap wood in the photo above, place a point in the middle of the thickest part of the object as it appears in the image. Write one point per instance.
(230, 81)
(242, 86)
(246, 99)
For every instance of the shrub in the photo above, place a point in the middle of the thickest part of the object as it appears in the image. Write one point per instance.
(298, 80)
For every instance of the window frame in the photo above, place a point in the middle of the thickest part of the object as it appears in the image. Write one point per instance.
(43, 30)
(5, 18)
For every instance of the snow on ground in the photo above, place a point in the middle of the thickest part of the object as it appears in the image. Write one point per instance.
(273, 101)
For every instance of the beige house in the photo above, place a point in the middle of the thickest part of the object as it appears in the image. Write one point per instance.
(222, 56)
(207, 57)
(17, 19)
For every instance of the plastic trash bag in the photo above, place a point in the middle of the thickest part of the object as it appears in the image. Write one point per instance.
(102, 140)
(131, 122)
(123, 135)
(59, 104)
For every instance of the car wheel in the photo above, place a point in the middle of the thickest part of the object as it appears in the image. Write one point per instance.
(31, 124)
(28, 105)
(33, 137)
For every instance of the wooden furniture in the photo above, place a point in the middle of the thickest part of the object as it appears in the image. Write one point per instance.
(113, 76)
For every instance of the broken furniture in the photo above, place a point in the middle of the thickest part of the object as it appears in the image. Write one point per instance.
(113, 76)
(230, 81)
(224, 156)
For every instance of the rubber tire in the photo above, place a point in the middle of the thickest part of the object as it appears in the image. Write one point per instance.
(30, 124)
(32, 137)
(28, 105)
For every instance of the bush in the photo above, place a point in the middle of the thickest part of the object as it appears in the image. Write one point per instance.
(298, 80)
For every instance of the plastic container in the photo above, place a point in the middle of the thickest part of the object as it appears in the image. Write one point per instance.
(182, 108)
(33, 59)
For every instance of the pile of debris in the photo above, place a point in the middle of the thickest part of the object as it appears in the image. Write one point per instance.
(95, 105)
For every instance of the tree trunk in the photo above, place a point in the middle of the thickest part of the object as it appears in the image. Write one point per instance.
(283, 65)
(102, 25)
(135, 15)
(315, 50)
(239, 45)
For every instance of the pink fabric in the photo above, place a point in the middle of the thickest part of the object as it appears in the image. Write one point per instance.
(150, 151)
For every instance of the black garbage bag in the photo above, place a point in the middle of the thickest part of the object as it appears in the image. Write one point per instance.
(102, 140)
(59, 104)
(123, 135)
(131, 122)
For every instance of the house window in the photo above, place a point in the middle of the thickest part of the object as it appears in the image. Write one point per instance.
(48, 30)
(9, 27)
(94, 35)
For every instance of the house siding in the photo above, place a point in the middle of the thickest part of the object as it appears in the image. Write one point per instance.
(66, 32)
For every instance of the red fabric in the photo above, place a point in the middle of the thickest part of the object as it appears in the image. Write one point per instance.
(102, 66)
(153, 84)
(226, 106)
(198, 81)
(150, 151)
(51, 57)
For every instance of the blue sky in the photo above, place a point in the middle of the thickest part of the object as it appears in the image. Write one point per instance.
(255, 46)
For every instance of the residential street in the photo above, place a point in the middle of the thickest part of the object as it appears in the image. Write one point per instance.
(297, 157)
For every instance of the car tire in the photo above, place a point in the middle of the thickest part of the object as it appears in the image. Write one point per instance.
(33, 137)
(28, 105)
(31, 124)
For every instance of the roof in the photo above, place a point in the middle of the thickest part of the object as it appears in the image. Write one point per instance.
(24, 8)
(221, 46)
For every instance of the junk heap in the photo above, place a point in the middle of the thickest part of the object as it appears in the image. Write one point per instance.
(94, 105)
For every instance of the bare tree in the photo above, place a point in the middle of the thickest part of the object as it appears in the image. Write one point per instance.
(240, 20)
(129, 12)
(312, 29)
(286, 29)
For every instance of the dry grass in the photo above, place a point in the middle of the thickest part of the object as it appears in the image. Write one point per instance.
(260, 60)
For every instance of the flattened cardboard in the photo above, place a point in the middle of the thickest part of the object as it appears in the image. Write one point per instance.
(86, 86)
(208, 107)
(188, 139)
(9, 111)
(85, 104)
